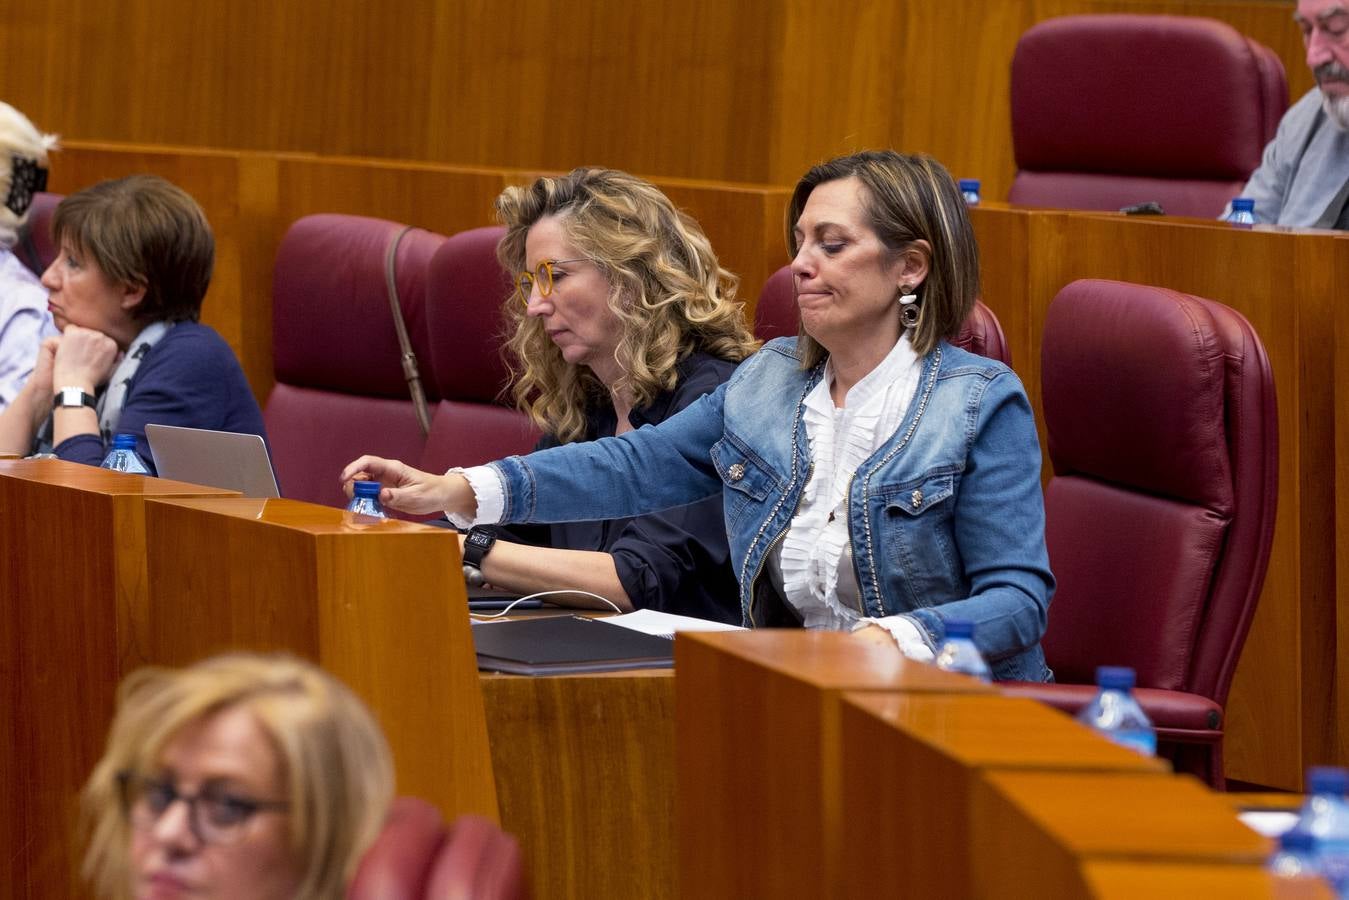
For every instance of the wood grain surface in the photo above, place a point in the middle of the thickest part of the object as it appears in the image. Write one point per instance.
(750, 91)
(1033, 830)
(585, 775)
(908, 764)
(381, 606)
(73, 581)
(759, 754)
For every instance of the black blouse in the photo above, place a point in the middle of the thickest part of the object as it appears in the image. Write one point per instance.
(675, 561)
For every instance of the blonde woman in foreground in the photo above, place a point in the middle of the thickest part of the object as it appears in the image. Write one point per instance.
(242, 776)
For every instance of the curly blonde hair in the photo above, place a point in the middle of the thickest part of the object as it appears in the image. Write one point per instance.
(666, 288)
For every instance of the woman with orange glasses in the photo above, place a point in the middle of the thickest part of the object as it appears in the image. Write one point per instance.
(621, 317)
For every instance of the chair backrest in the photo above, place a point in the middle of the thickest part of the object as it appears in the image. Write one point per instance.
(1162, 431)
(340, 389)
(1118, 109)
(474, 422)
(775, 316)
(36, 249)
(416, 858)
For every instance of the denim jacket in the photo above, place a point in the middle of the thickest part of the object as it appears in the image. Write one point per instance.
(947, 517)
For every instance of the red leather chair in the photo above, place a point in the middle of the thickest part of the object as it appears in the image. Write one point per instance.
(474, 422)
(775, 316)
(416, 858)
(1114, 110)
(1162, 430)
(340, 389)
(35, 247)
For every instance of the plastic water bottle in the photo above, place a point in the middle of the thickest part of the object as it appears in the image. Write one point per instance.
(1296, 857)
(123, 457)
(1243, 212)
(969, 189)
(1116, 714)
(1325, 816)
(958, 653)
(365, 500)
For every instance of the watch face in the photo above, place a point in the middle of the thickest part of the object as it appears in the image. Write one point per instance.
(480, 539)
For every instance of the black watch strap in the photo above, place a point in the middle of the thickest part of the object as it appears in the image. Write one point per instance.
(71, 397)
(477, 543)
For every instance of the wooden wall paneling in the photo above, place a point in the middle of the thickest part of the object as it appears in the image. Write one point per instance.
(745, 223)
(1003, 234)
(1339, 338)
(585, 776)
(744, 92)
(380, 606)
(682, 90)
(1317, 296)
(758, 750)
(956, 74)
(73, 572)
(908, 764)
(1035, 830)
(1255, 272)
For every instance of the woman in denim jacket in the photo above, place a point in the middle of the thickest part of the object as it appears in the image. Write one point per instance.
(873, 476)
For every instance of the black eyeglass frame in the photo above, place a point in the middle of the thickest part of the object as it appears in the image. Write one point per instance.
(247, 806)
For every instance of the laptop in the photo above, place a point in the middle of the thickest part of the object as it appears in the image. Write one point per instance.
(221, 459)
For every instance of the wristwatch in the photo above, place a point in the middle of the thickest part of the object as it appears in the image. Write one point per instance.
(73, 398)
(477, 543)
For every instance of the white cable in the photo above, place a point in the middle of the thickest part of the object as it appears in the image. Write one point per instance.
(497, 615)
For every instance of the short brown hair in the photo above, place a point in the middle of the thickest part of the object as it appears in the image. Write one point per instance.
(337, 763)
(143, 231)
(908, 198)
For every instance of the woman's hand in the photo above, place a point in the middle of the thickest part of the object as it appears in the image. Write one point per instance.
(412, 490)
(84, 358)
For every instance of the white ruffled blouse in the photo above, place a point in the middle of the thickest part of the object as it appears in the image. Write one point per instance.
(813, 568)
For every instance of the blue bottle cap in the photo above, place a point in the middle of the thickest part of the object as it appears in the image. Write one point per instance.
(124, 442)
(959, 628)
(1243, 204)
(365, 489)
(1118, 678)
(969, 184)
(1327, 780)
(1297, 840)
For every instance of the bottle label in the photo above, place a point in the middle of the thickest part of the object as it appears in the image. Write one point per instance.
(1140, 741)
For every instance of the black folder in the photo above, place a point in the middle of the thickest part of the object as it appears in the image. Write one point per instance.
(556, 645)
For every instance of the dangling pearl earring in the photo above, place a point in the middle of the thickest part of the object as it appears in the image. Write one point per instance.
(908, 306)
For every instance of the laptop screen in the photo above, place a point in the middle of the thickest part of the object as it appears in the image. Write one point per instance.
(222, 459)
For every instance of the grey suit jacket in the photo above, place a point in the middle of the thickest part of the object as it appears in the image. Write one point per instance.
(1303, 168)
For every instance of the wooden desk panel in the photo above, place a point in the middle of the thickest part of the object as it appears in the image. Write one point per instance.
(1130, 880)
(73, 579)
(381, 606)
(1032, 831)
(585, 774)
(758, 747)
(908, 764)
(1338, 609)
